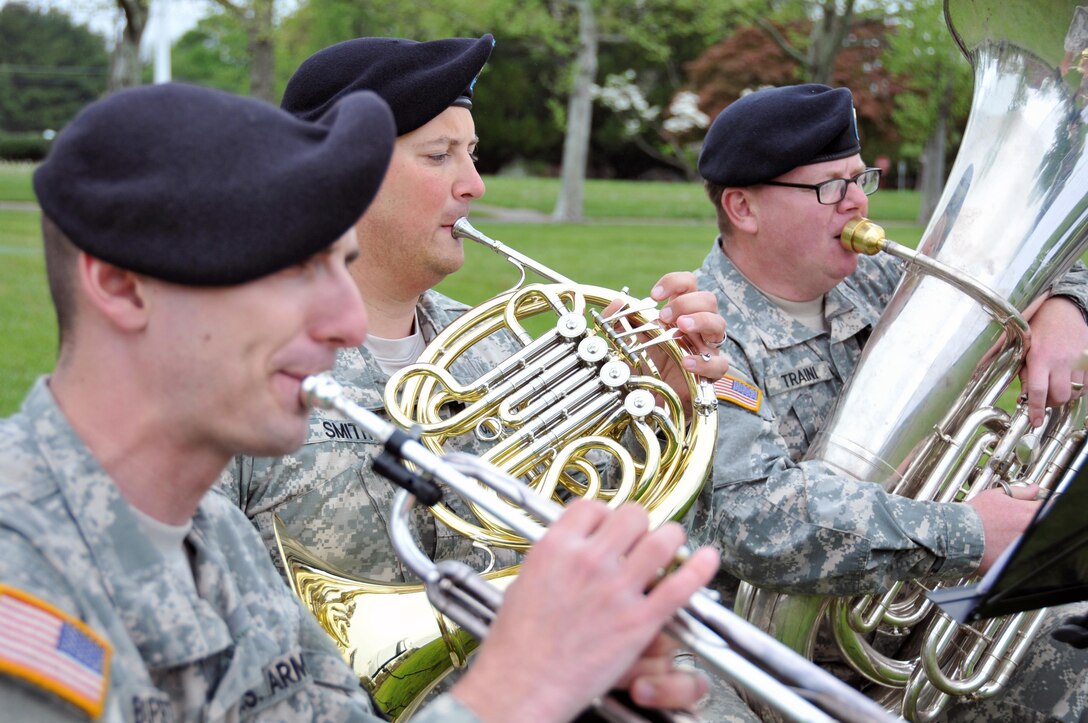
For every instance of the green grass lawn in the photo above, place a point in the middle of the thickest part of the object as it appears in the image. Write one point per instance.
(639, 231)
(15, 181)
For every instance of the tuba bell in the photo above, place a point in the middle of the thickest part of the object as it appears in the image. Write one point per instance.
(578, 408)
(923, 420)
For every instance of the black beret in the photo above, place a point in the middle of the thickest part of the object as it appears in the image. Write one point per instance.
(764, 134)
(417, 80)
(200, 187)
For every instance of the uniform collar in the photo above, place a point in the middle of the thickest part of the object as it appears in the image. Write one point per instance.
(131, 574)
(775, 328)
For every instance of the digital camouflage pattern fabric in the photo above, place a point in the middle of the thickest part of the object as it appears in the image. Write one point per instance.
(327, 494)
(794, 526)
(238, 646)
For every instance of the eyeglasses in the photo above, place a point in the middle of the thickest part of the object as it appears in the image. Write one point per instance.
(831, 192)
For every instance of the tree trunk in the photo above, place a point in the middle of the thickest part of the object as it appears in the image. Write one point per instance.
(828, 32)
(262, 56)
(579, 118)
(125, 67)
(932, 171)
(933, 160)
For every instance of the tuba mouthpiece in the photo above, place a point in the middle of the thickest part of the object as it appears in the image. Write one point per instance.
(862, 236)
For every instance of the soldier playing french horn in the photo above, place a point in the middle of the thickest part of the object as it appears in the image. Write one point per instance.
(326, 494)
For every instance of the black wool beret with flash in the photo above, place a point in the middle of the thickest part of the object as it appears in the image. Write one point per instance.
(417, 80)
(764, 134)
(200, 187)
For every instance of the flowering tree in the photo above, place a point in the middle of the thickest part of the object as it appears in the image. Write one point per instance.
(677, 131)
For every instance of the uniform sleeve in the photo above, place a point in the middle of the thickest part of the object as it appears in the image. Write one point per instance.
(798, 527)
(1074, 286)
(445, 709)
(21, 703)
(23, 568)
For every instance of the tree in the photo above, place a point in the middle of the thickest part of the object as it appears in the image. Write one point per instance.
(830, 23)
(49, 68)
(125, 67)
(258, 18)
(214, 54)
(936, 97)
(622, 95)
(652, 29)
(568, 206)
(747, 61)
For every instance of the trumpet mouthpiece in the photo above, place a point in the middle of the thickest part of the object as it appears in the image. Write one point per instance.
(319, 390)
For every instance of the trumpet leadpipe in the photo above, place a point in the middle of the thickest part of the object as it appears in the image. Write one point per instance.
(735, 649)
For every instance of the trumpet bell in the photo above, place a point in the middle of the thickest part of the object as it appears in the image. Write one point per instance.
(399, 646)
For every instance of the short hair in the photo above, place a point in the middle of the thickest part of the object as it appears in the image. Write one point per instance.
(60, 271)
(714, 191)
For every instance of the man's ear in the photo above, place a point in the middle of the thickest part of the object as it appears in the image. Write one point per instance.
(741, 208)
(118, 294)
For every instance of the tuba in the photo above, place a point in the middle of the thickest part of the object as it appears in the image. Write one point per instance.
(923, 420)
(579, 407)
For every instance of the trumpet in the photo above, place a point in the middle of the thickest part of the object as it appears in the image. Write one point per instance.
(734, 649)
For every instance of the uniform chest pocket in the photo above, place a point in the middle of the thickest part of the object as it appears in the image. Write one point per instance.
(801, 396)
(333, 429)
(783, 378)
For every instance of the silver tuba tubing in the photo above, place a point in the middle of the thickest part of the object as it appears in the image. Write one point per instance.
(736, 650)
(920, 414)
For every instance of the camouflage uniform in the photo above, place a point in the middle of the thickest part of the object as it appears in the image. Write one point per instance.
(326, 493)
(239, 646)
(336, 506)
(795, 526)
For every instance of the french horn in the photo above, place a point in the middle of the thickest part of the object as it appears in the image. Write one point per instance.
(732, 648)
(920, 415)
(580, 407)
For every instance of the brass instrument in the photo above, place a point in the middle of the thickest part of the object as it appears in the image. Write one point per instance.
(565, 399)
(1013, 218)
(797, 688)
(581, 396)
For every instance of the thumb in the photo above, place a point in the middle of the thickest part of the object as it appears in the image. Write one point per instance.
(1024, 492)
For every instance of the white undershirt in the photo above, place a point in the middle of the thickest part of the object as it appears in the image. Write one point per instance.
(809, 313)
(170, 541)
(393, 355)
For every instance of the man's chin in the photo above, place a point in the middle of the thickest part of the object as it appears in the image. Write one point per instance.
(284, 439)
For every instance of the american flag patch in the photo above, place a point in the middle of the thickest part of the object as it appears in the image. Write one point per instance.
(53, 650)
(730, 389)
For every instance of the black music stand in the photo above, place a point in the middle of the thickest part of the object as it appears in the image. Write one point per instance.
(1047, 566)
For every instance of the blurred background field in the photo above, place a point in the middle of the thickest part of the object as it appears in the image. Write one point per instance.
(635, 231)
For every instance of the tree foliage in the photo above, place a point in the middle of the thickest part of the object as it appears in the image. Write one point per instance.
(745, 61)
(214, 54)
(49, 68)
(935, 76)
(258, 19)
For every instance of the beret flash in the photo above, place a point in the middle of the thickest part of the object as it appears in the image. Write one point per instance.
(200, 187)
(764, 134)
(417, 80)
